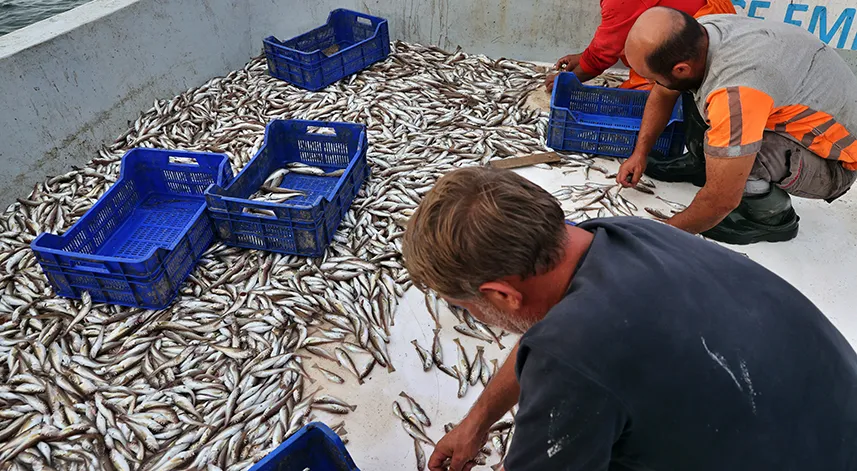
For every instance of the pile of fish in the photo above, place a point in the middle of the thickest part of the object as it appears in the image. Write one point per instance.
(232, 368)
(227, 372)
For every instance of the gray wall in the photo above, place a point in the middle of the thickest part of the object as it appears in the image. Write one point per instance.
(523, 29)
(71, 83)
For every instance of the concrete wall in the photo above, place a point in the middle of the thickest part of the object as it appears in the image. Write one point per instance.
(524, 29)
(71, 83)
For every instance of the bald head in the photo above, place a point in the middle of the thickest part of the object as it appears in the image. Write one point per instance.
(663, 39)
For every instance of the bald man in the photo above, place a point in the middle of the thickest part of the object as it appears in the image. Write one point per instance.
(781, 107)
(617, 18)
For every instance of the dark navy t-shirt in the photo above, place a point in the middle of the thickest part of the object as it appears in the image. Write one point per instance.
(670, 353)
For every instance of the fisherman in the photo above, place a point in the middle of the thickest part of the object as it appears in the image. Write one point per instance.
(782, 110)
(606, 47)
(644, 347)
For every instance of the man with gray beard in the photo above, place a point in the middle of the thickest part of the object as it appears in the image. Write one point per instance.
(644, 347)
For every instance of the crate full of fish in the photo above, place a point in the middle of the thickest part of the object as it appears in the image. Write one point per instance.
(140, 240)
(291, 196)
(315, 447)
(604, 121)
(349, 42)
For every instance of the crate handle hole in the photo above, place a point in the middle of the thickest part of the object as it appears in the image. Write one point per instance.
(183, 160)
(321, 130)
(260, 212)
(365, 21)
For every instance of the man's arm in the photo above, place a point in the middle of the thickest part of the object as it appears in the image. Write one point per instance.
(738, 116)
(606, 47)
(617, 18)
(656, 114)
(463, 442)
(723, 190)
(565, 421)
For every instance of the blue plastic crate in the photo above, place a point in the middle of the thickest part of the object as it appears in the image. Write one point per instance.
(302, 225)
(604, 121)
(349, 42)
(315, 446)
(141, 239)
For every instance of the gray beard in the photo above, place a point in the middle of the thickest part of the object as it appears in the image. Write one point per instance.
(496, 317)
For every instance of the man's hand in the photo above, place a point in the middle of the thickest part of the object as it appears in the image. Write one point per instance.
(458, 447)
(549, 82)
(631, 170)
(725, 178)
(565, 64)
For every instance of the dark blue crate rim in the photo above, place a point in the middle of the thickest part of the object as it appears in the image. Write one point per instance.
(155, 293)
(315, 446)
(628, 123)
(217, 164)
(275, 44)
(304, 225)
(292, 203)
(142, 238)
(302, 62)
(604, 121)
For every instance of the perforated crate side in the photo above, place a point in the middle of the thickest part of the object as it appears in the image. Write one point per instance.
(315, 446)
(139, 241)
(604, 121)
(302, 225)
(348, 42)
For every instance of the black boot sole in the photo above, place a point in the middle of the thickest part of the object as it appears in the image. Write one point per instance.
(753, 232)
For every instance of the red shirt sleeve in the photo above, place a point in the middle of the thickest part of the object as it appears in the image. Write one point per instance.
(617, 18)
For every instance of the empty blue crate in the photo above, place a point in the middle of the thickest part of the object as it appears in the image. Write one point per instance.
(302, 225)
(347, 43)
(142, 238)
(604, 121)
(315, 447)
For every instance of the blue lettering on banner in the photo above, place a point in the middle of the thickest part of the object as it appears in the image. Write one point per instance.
(819, 20)
(754, 6)
(790, 11)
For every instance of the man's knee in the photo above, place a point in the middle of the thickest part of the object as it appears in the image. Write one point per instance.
(811, 176)
(797, 170)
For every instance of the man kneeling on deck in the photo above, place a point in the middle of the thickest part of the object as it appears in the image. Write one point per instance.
(644, 347)
(782, 111)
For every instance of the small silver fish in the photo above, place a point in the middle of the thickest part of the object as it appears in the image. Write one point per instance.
(463, 362)
(657, 213)
(420, 455)
(424, 355)
(331, 376)
(417, 409)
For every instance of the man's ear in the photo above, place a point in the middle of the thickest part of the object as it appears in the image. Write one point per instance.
(502, 295)
(682, 70)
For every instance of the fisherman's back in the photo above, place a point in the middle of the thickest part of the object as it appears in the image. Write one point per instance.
(672, 353)
(806, 87)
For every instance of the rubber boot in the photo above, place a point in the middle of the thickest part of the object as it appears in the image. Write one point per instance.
(764, 218)
(687, 167)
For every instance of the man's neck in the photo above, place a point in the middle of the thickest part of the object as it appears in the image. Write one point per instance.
(704, 56)
(546, 290)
